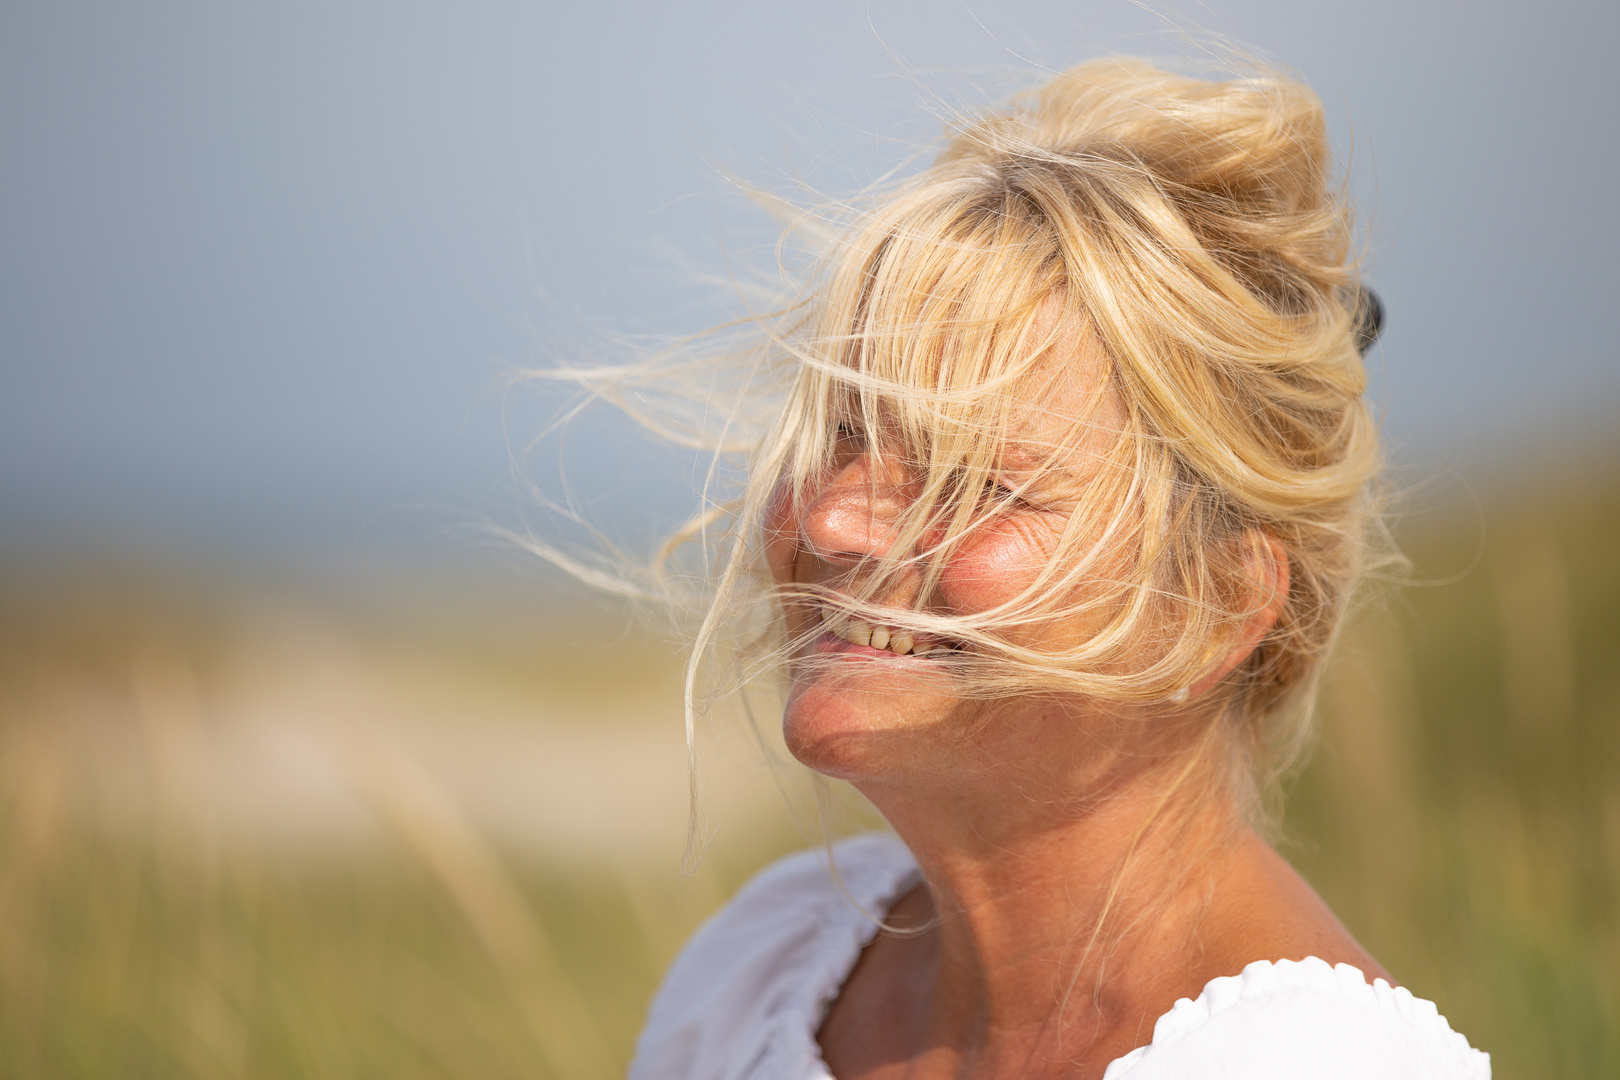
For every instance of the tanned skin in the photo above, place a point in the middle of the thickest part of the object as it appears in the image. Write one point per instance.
(1078, 879)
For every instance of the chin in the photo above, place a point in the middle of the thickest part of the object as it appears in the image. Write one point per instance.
(867, 724)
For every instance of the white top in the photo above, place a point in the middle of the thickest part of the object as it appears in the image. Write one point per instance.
(746, 996)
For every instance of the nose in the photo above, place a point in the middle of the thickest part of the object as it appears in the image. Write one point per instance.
(854, 515)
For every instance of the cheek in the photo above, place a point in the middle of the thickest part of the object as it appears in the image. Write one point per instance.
(780, 532)
(996, 564)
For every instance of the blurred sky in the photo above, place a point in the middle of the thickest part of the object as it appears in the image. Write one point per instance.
(263, 265)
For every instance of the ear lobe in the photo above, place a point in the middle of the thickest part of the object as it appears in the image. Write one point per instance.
(1265, 564)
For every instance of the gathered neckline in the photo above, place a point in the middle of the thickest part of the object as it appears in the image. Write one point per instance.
(876, 888)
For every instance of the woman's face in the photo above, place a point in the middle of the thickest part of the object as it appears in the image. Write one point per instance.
(870, 706)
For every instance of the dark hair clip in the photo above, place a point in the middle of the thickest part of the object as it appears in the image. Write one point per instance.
(1369, 319)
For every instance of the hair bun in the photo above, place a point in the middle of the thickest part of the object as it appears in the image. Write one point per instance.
(1257, 140)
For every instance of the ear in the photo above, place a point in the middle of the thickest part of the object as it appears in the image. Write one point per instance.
(1265, 564)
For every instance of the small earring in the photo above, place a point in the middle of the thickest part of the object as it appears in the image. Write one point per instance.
(1180, 696)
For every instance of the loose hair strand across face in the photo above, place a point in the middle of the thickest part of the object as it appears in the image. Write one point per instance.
(1187, 238)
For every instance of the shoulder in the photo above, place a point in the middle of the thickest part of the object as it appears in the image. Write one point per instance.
(769, 960)
(1305, 1018)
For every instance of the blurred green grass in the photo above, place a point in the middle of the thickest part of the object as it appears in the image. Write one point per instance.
(1461, 812)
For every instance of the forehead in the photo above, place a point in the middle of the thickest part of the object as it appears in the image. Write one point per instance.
(1059, 407)
(1068, 407)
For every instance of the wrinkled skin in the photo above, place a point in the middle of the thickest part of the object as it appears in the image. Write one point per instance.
(1022, 811)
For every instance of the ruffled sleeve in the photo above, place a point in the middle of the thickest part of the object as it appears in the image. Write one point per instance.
(745, 995)
(1289, 1019)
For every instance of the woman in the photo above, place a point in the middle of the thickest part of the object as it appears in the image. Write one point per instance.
(1061, 511)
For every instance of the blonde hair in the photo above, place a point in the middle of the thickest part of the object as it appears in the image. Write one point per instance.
(1195, 229)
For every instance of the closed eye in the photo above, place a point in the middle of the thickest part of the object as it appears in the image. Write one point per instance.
(998, 491)
(1017, 494)
(848, 442)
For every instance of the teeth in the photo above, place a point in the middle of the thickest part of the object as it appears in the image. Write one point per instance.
(899, 642)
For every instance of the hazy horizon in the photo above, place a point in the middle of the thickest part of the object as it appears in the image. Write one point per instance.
(262, 270)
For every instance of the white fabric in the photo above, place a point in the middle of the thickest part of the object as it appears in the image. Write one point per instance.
(747, 994)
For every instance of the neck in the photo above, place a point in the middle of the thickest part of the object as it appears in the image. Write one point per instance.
(1039, 903)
